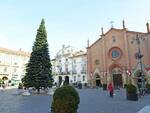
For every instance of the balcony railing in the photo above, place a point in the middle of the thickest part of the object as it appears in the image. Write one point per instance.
(74, 72)
(83, 72)
(64, 73)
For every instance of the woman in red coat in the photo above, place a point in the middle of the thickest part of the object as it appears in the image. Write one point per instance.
(111, 89)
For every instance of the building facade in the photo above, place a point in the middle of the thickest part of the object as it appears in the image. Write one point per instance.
(69, 66)
(12, 65)
(114, 57)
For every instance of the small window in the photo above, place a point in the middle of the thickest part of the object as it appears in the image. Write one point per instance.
(15, 70)
(15, 63)
(5, 69)
(24, 59)
(113, 38)
(75, 78)
(83, 78)
(97, 62)
(24, 70)
(22, 76)
(15, 75)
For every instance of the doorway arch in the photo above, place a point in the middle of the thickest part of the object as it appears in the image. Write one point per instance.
(60, 80)
(4, 78)
(97, 80)
(66, 80)
(117, 79)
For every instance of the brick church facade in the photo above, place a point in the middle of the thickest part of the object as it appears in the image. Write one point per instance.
(113, 57)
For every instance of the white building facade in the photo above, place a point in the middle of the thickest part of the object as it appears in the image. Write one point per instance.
(12, 65)
(69, 66)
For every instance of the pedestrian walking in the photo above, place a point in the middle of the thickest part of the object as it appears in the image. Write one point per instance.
(111, 90)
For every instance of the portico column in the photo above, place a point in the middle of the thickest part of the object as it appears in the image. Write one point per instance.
(109, 78)
(124, 78)
(105, 78)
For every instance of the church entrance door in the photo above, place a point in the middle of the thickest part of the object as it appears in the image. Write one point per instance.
(117, 80)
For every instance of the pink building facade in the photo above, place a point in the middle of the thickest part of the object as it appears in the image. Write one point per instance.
(113, 57)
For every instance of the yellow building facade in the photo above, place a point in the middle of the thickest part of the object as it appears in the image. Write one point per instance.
(12, 65)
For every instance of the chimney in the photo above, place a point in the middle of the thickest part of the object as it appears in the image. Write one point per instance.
(123, 24)
(102, 31)
(147, 25)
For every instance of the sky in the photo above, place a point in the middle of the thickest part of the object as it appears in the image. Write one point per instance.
(69, 22)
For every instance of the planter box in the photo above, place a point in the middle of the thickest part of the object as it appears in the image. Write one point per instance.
(133, 97)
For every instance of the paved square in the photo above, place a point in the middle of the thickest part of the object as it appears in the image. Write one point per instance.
(98, 101)
(91, 101)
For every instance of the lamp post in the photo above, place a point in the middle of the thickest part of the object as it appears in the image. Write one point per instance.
(139, 56)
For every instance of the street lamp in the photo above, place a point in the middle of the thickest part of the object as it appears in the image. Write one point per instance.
(139, 56)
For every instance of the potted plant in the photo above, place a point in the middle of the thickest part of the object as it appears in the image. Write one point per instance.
(148, 88)
(65, 100)
(131, 92)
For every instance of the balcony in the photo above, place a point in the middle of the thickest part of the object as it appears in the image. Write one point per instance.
(74, 72)
(83, 72)
(64, 73)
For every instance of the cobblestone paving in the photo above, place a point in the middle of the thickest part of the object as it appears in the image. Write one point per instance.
(91, 101)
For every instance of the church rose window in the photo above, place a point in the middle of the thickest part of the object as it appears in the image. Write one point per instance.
(115, 53)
